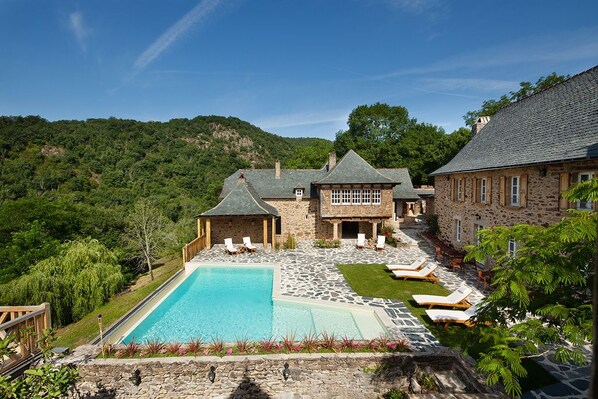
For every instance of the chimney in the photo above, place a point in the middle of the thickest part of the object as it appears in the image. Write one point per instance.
(277, 169)
(241, 177)
(479, 124)
(331, 160)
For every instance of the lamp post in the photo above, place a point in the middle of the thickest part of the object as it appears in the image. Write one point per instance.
(101, 333)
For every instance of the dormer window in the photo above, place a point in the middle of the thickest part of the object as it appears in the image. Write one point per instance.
(299, 193)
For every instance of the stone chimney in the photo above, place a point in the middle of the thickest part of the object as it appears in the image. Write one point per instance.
(241, 177)
(479, 124)
(331, 160)
(277, 169)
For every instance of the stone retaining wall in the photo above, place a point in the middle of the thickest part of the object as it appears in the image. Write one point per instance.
(361, 375)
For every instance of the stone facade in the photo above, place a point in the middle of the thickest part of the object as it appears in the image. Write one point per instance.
(239, 227)
(298, 217)
(359, 376)
(539, 197)
(383, 210)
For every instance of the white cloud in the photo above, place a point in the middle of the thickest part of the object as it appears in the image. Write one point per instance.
(415, 6)
(303, 119)
(196, 16)
(77, 26)
(556, 48)
(469, 84)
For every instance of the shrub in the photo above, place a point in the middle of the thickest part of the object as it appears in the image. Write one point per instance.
(290, 242)
(327, 243)
(154, 346)
(433, 227)
(395, 394)
(194, 345)
(174, 347)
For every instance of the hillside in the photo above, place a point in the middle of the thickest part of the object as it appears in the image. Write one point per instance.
(80, 178)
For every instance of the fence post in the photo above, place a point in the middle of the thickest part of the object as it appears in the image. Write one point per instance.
(47, 315)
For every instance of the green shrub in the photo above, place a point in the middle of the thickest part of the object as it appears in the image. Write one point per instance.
(395, 394)
(290, 242)
(327, 243)
(433, 227)
(388, 232)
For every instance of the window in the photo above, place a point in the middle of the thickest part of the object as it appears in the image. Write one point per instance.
(483, 190)
(376, 198)
(356, 197)
(299, 192)
(336, 197)
(512, 249)
(584, 205)
(460, 190)
(477, 229)
(365, 197)
(515, 191)
(346, 197)
(458, 230)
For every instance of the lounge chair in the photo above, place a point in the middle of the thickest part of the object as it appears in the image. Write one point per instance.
(360, 241)
(381, 242)
(229, 248)
(456, 299)
(248, 245)
(451, 316)
(415, 265)
(425, 273)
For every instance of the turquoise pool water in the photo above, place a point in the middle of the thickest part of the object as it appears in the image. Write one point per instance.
(231, 303)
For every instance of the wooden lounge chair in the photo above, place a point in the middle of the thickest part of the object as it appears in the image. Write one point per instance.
(360, 241)
(229, 248)
(425, 273)
(415, 265)
(380, 243)
(451, 316)
(248, 245)
(456, 299)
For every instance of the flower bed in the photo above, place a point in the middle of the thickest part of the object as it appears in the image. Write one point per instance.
(309, 344)
(327, 243)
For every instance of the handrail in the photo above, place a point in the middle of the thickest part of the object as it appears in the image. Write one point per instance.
(194, 247)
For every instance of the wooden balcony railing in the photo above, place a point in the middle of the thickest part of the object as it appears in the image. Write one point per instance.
(191, 249)
(27, 324)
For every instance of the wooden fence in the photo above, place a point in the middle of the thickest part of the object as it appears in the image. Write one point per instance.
(191, 249)
(27, 324)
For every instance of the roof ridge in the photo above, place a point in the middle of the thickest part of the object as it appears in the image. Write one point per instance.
(246, 186)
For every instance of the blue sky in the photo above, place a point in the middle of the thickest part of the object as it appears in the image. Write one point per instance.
(291, 67)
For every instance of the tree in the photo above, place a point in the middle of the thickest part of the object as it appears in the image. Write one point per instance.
(312, 156)
(491, 107)
(541, 296)
(83, 276)
(148, 232)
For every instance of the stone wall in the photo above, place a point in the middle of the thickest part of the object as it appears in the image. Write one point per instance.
(237, 228)
(542, 204)
(354, 376)
(384, 210)
(298, 217)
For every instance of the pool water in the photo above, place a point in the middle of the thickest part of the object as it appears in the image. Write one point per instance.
(231, 303)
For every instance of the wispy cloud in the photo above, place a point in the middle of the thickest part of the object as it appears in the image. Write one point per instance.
(78, 28)
(303, 119)
(468, 84)
(193, 18)
(558, 48)
(444, 93)
(415, 6)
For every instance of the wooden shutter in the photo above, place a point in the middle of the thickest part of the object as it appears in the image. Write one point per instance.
(563, 186)
(523, 191)
(488, 190)
(502, 188)
(453, 194)
(474, 190)
(462, 189)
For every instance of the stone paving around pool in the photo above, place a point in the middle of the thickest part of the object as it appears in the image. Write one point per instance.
(309, 272)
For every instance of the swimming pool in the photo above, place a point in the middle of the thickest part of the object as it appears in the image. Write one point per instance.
(230, 303)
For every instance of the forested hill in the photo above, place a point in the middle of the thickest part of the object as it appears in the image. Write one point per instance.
(80, 178)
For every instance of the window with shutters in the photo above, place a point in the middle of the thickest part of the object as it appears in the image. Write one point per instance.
(514, 191)
(459, 189)
(581, 177)
(458, 230)
(483, 190)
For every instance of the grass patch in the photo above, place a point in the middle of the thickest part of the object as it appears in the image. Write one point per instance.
(377, 282)
(86, 329)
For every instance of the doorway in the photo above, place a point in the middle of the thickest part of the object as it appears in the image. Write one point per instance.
(350, 229)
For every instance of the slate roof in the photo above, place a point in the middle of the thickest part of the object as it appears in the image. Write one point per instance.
(353, 169)
(404, 190)
(242, 200)
(554, 125)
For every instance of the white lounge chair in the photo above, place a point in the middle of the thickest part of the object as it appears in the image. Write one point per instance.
(247, 244)
(228, 246)
(360, 241)
(455, 299)
(425, 273)
(415, 265)
(381, 242)
(451, 316)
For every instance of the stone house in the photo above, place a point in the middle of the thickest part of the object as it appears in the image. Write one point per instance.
(519, 162)
(339, 200)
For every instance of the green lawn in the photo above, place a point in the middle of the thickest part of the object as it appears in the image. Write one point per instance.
(376, 281)
(86, 329)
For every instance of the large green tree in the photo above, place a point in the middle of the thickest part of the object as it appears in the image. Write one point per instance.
(526, 89)
(542, 295)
